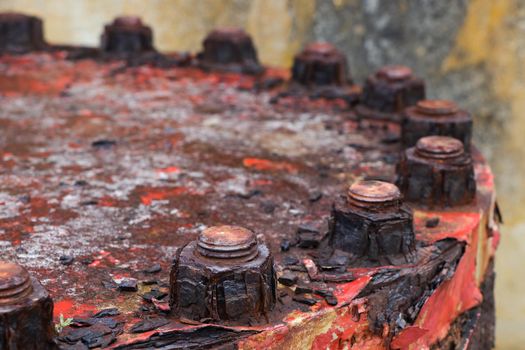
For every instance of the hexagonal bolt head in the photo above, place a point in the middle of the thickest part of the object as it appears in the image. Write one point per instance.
(225, 275)
(20, 33)
(320, 64)
(26, 310)
(391, 89)
(127, 35)
(437, 172)
(436, 117)
(229, 49)
(371, 222)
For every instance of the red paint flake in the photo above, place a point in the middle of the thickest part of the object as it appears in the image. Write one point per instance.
(163, 193)
(168, 170)
(108, 201)
(458, 225)
(269, 165)
(451, 299)
(408, 336)
(68, 308)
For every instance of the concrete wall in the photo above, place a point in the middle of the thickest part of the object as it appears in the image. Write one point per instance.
(470, 51)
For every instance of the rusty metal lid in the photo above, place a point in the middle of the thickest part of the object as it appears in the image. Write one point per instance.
(439, 147)
(128, 21)
(227, 242)
(228, 33)
(437, 107)
(321, 48)
(395, 73)
(371, 193)
(15, 282)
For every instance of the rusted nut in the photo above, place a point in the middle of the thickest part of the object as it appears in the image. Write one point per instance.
(20, 33)
(437, 172)
(26, 310)
(436, 117)
(371, 222)
(320, 64)
(389, 91)
(229, 49)
(127, 34)
(225, 275)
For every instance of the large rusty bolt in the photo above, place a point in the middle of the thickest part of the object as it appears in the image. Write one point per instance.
(225, 275)
(26, 310)
(20, 33)
(127, 34)
(391, 89)
(229, 49)
(320, 64)
(436, 117)
(437, 172)
(371, 222)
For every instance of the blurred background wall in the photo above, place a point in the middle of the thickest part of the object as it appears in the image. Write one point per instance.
(471, 51)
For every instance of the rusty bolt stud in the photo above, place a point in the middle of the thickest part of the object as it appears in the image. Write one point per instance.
(230, 49)
(320, 64)
(26, 310)
(20, 33)
(436, 117)
(389, 91)
(225, 275)
(127, 34)
(437, 172)
(371, 222)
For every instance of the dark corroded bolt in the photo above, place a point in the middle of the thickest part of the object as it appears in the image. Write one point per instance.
(320, 64)
(229, 49)
(225, 275)
(437, 172)
(371, 222)
(20, 33)
(26, 310)
(127, 34)
(436, 117)
(390, 90)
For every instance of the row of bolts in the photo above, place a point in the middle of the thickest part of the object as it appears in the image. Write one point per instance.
(435, 170)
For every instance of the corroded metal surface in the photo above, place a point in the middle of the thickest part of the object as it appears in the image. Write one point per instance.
(108, 170)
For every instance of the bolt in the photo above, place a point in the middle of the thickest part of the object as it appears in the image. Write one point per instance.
(20, 33)
(437, 172)
(395, 73)
(322, 64)
(388, 92)
(229, 49)
(127, 34)
(436, 117)
(372, 223)
(368, 194)
(25, 309)
(227, 242)
(225, 275)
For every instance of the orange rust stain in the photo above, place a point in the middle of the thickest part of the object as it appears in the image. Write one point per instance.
(269, 165)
